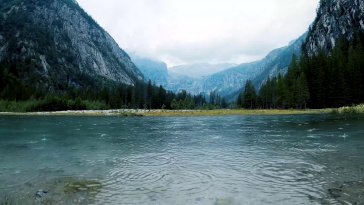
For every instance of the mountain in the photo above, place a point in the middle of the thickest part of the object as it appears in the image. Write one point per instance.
(200, 70)
(153, 70)
(279, 60)
(54, 45)
(230, 81)
(158, 73)
(178, 82)
(335, 19)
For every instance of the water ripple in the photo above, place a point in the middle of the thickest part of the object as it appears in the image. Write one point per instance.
(231, 160)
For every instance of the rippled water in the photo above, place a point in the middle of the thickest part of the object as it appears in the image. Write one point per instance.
(186, 160)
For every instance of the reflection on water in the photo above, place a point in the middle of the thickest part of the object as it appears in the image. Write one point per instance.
(197, 160)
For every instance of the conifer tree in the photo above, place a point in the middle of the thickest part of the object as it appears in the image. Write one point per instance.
(249, 96)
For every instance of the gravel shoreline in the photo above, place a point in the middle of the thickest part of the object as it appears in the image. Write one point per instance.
(165, 113)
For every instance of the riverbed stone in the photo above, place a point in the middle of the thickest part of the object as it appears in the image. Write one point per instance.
(348, 192)
(40, 194)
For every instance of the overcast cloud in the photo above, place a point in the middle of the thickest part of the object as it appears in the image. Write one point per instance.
(195, 31)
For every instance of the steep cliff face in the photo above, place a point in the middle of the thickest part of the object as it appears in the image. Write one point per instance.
(335, 19)
(54, 45)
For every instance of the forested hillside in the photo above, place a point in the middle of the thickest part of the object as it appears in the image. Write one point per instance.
(316, 81)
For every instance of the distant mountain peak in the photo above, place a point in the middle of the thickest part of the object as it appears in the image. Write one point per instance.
(199, 70)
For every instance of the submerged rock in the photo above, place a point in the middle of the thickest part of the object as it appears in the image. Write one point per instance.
(348, 192)
(58, 191)
(6, 200)
(89, 186)
(224, 201)
(40, 194)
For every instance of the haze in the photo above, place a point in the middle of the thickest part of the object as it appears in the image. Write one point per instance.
(202, 31)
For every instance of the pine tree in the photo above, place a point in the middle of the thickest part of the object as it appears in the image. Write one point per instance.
(249, 96)
(149, 95)
(302, 92)
(239, 101)
(282, 93)
(161, 97)
(291, 81)
(354, 78)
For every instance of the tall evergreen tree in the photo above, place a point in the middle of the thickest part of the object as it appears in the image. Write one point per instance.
(149, 96)
(302, 94)
(249, 97)
(282, 100)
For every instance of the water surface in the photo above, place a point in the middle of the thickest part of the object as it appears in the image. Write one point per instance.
(185, 160)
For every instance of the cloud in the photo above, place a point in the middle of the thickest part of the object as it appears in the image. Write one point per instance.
(192, 31)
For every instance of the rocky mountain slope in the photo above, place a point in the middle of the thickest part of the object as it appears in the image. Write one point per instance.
(200, 70)
(335, 19)
(230, 81)
(54, 45)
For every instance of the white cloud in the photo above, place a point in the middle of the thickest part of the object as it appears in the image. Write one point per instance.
(191, 31)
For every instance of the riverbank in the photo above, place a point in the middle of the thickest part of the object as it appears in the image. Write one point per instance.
(181, 113)
(165, 113)
(227, 112)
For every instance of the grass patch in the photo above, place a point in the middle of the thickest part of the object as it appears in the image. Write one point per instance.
(353, 110)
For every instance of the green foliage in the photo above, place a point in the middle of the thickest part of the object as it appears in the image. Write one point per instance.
(183, 101)
(359, 109)
(336, 80)
(50, 103)
(215, 102)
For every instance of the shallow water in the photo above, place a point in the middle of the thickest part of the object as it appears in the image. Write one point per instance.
(185, 160)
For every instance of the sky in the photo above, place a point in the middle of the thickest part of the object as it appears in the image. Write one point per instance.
(202, 31)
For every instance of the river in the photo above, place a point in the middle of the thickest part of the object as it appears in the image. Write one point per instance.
(300, 159)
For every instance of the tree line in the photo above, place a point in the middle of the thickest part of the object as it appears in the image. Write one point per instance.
(109, 95)
(321, 80)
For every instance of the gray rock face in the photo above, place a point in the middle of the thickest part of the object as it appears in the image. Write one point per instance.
(60, 45)
(335, 19)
